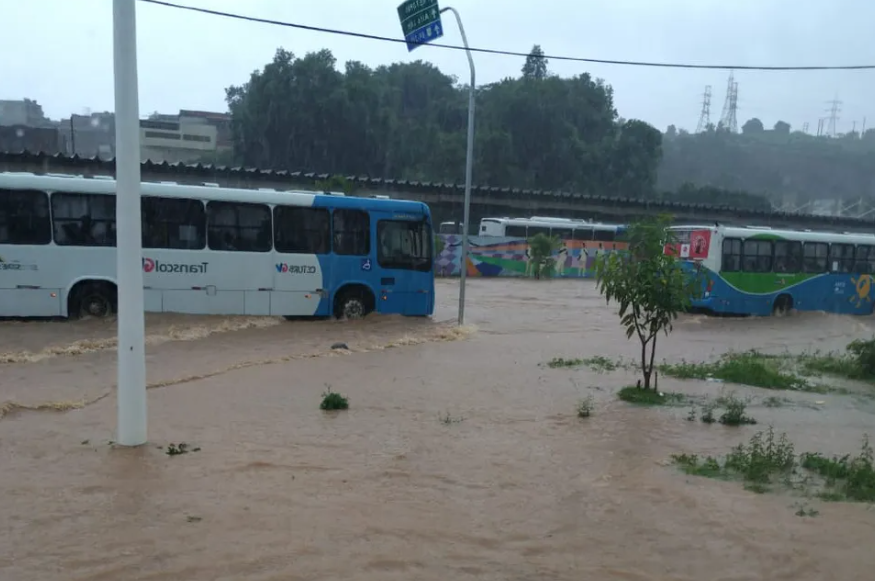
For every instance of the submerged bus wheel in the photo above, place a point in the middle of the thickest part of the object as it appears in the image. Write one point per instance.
(353, 302)
(92, 299)
(783, 305)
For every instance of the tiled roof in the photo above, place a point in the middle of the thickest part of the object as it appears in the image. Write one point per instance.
(76, 164)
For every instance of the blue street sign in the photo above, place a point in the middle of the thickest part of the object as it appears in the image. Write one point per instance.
(420, 22)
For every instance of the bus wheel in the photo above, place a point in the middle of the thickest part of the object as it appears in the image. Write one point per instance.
(783, 305)
(94, 300)
(353, 304)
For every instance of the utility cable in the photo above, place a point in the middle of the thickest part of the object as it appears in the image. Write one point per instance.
(507, 52)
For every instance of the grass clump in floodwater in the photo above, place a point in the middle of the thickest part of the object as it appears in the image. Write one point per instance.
(734, 412)
(762, 462)
(846, 478)
(748, 368)
(857, 362)
(766, 461)
(448, 420)
(598, 363)
(585, 407)
(639, 396)
(332, 401)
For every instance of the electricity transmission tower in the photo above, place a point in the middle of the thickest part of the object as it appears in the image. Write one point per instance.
(729, 119)
(705, 116)
(805, 127)
(834, 110)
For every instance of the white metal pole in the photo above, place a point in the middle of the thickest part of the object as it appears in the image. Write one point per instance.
(129, 255)
(469, 167)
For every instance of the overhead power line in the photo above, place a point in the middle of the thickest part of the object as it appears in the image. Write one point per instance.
(507, 52)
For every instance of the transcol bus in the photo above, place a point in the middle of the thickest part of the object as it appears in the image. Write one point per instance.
(760, 271)
(211, 250)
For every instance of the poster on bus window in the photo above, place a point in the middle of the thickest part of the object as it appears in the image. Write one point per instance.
(693, 244)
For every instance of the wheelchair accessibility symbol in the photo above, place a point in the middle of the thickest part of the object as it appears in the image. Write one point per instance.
(366, 264)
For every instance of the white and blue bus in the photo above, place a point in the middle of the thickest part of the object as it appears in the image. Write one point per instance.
(212, 250)
(564, 228)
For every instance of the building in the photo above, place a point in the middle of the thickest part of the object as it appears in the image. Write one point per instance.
(23, 112)
(18, 138)
(191, 136)
(91, 135)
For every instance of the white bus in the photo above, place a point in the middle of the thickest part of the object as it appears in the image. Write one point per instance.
(565, 228)
(211, 250)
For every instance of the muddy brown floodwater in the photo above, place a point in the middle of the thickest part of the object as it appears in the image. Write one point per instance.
(513, 487)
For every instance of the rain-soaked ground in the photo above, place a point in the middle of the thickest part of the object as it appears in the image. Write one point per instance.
(513, 487)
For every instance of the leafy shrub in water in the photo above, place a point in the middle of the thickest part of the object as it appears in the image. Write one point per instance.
(331, 400)
(846, 477)
(863, 353)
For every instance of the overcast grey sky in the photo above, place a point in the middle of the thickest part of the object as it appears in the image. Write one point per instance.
(59, 52)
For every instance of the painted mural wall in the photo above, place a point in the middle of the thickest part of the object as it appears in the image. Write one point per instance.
(503, 256)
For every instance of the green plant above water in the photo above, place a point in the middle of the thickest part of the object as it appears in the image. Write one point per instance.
(648, 284)
(759, 463)
(331, 401)
(747, 368)
(766, 461)
(846, 477)
(636, 395)
(585, 407)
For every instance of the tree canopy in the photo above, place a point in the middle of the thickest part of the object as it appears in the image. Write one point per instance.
(778, 163)
(538, 131)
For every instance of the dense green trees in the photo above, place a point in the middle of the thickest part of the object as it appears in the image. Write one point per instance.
(779, 163)
(538, 131)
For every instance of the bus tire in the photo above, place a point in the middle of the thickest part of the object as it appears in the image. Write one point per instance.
(783, 305)
(353, 302)
(96, 299)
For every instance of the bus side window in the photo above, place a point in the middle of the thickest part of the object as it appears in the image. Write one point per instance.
(731, 255)
(562, 233)
(583, 233)
(788, 256)
(604, 235)
(173, 223)
(515, 231)
(300, 230)
(841, 258)
(352, 233)
(83, 219)
(757, 256)
(814, 257)
(533, 231)
(24, 217)
(864, 259)
(238, 227)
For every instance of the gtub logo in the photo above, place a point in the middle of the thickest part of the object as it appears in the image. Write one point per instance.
(151, 265)
(863, 288)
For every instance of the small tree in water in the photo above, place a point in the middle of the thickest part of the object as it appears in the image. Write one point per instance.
(648, 284)
(541, 249)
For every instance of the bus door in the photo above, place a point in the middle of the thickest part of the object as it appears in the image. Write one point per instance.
(302, 252)
(404, 256)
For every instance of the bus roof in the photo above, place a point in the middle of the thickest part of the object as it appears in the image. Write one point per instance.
(206, 191)
(545, 222)
(800, 235)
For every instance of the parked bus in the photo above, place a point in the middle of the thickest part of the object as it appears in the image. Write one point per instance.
(760, 271)
(211, 250)
(565, 228)
(450, 228)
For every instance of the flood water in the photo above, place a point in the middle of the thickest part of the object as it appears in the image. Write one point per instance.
(513, 487)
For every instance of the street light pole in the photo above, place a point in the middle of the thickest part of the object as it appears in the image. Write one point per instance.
(469, 167)
(129, 252)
